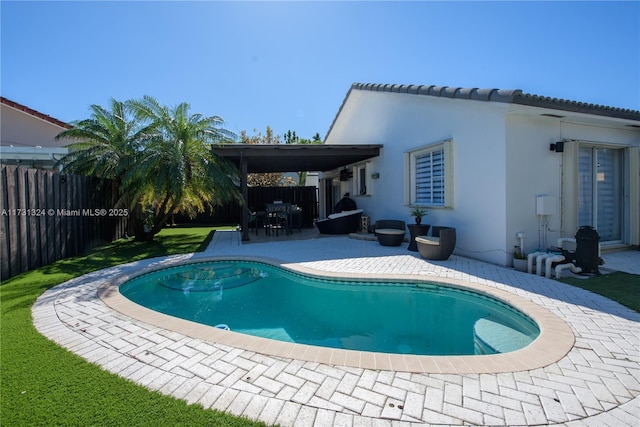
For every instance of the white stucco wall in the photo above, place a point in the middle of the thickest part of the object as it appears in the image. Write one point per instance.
(534, 170)
(21, 129)
(404, 122)
(501, 163)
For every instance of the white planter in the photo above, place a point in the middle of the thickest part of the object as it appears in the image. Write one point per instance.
(520, 264)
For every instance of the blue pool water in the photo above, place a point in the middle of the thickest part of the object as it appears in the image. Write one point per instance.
(267, 301)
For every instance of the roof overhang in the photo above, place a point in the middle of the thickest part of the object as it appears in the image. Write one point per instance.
(263, 158)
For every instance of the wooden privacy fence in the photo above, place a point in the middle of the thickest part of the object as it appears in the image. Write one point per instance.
(231, 213)
(47, 216)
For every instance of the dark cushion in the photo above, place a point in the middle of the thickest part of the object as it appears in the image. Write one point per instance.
(344, 223)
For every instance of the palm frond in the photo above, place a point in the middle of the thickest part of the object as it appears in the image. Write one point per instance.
(160, 156)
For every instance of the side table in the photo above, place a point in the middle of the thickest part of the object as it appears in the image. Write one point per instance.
(416, 230)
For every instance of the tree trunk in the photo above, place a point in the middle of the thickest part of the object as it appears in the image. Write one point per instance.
(141, 234)
(163, 216)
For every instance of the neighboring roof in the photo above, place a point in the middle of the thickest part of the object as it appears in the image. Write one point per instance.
(511, 96)
(295, 157)
(34, 113)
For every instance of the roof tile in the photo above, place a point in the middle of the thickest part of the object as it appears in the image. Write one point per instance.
(512, 96)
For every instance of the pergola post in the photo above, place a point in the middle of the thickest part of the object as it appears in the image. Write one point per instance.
(245, 197)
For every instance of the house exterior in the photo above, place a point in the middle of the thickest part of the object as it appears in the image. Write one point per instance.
(27, 136)
(504, 167)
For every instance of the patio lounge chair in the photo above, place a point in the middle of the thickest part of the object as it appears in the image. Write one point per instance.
(390, 232)
(341, 223)
(439, 246)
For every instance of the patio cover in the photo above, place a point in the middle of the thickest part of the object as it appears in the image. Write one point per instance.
(262, 158)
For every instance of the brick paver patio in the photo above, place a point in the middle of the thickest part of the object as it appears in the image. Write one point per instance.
(596, 384)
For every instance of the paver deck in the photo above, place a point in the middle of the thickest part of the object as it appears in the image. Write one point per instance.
(596, 383)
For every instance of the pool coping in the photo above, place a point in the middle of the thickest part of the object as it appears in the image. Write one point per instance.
(556, 337)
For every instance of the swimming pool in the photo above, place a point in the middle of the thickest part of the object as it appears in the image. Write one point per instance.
(400, 317)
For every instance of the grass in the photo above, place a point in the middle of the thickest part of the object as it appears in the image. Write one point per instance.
(42, 384)
(621, 287)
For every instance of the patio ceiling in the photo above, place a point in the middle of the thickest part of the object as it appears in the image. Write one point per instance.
(262, 158)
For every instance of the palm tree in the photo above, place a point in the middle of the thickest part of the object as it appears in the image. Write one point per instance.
(160, 158)
(108, 146)
(178, 170)
(291, 138)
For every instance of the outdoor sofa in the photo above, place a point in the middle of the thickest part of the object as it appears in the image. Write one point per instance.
(341, 223)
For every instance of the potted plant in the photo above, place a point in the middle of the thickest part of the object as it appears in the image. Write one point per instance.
(418, 212)
(519, 259)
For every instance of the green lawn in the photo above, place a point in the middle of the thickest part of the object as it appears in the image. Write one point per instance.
(43, 384)
(621, 287)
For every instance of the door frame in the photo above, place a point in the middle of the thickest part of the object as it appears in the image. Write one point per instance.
(630, 229)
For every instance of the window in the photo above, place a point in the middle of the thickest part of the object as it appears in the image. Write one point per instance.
(360, 180)
(428, 180)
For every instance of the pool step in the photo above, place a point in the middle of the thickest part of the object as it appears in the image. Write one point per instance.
(210, 280)
(492, 337)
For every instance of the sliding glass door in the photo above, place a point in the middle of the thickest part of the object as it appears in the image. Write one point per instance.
(600, 191)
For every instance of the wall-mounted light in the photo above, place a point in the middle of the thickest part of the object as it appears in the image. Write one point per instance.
(558, 147)
(375, 175)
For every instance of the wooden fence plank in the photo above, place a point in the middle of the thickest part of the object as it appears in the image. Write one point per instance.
(5, 270)
(100, 201)
(78, 220)
(64, 190)
(60, 204)
(46, 222)
(33, 219)
(14, 224)
(110, 224)
(93, 225)
(81, 221)
(72, 221)
(21, 181)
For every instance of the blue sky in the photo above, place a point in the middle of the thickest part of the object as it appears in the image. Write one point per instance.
(289, 65)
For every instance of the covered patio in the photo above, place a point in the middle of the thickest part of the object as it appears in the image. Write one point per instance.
(263, 158)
